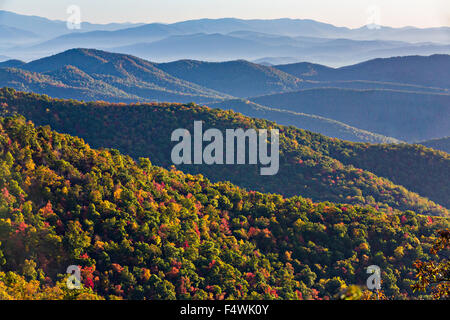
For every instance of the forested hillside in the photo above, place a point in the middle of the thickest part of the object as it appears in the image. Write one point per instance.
(413, 166)
(140, 231)
(348, 103)
(307, 166)
(88, 74)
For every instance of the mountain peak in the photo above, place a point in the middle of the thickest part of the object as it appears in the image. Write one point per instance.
(12, 63)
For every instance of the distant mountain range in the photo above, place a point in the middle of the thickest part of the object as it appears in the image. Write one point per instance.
(221, 47)
(43, 28)
(431, 71)
(12, 63)
(222, 39)
(311, 164)
(14, 36)
(314, 123)
(383, 100)
(148, 233)
(284, 27)
(363, 125)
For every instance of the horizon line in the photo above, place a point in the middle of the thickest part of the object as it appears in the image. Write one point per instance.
(223, 18)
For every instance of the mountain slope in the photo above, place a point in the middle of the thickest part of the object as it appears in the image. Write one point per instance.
(428, 70)
(141, 232)
(224, 47)
(67, 82)
(237, 78)
(308, 70)
(405, 115)
(86, 74)
(305, 165)
(13, 63)
(14, 36)
(46, 28)
(109, 75)
(328, 127)
(420, 70)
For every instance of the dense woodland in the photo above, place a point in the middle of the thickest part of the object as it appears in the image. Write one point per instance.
(387, 177)
(362, 182)
(141, 231)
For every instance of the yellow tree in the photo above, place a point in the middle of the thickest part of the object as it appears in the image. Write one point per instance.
(435, 275)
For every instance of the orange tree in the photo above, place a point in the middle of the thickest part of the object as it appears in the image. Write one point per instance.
(435, 275)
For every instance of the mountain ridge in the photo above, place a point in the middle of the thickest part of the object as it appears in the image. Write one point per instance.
(330, 128)
(442, 144)
(233, 77)
(100, 75)
(138, 231)
(422, 70)
(405, 115)
(307, 163)
(137, 78)
(353, 45)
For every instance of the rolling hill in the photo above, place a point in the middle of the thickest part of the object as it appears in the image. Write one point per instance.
(430, 71)
(308, 70)
(328, 127)
(404, 115)
(67, 82)
(237, 78)
(96, 75)
(330, 107)
(138, 231)
(13, 63)
(306, 167)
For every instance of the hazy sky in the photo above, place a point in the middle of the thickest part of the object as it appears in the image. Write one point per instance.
(350, 13)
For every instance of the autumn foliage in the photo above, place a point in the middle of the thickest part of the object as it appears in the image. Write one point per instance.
(139, 231)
